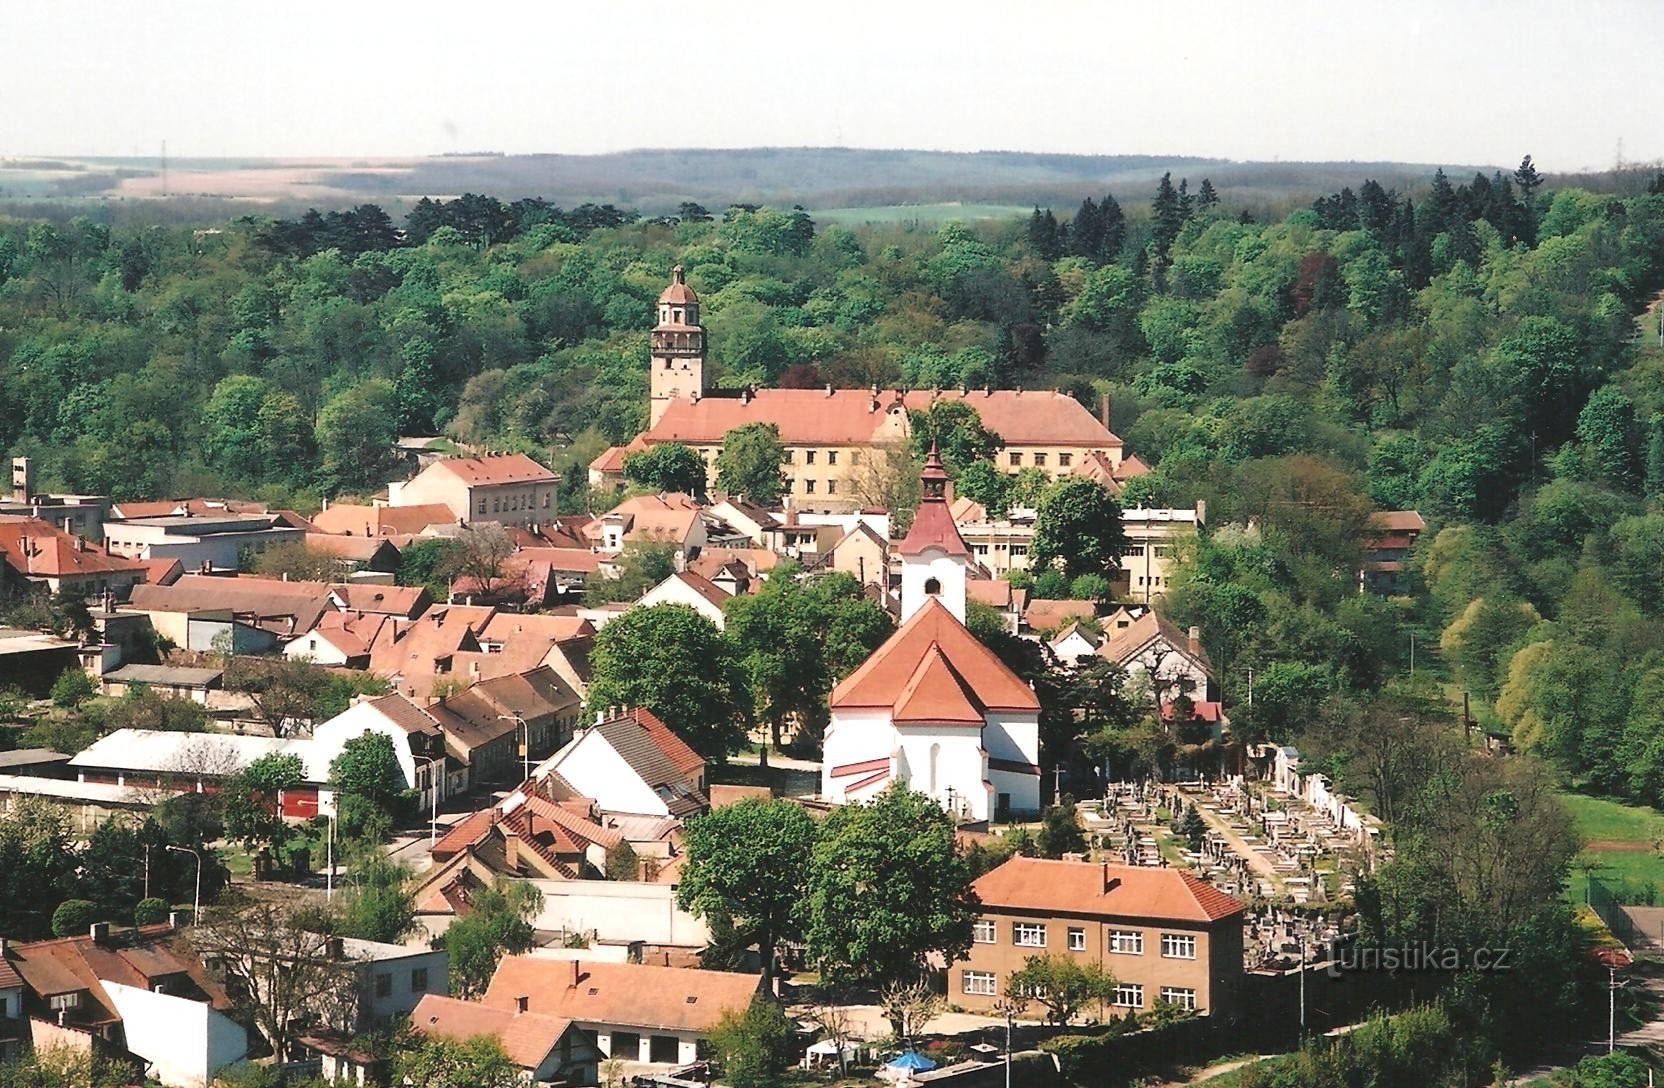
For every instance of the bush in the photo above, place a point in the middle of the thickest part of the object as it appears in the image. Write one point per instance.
(71, 688)
(148, 912)
(73, 917)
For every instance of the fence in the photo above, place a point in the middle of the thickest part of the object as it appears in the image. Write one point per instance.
(1607, 909)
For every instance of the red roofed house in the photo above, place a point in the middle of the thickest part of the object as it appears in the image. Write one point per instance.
(510, 488)
(547, 1049)
(1172, 660)
(1396, 533)
(632, 763)
(44, 555)
(933, 708)
(634, 1011)
(1165, 935)
(693, 590)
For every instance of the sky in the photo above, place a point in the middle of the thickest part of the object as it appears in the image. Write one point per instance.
(1576, 83)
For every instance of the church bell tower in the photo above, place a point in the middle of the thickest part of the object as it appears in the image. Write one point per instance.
(677, 348)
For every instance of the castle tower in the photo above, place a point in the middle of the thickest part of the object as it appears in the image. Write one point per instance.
(677, 350)
(934, 558)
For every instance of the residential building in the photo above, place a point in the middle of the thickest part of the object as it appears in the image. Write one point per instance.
(164, 762)
(142, 992)
(340, 638)
(174, 681)
(509, 488)
(1046, 617)
(546, 1049)
(632, 763)
(835, 439)
(1154, 541)
(693, 591)
(351, 519)
(256, 614)
(200, 542)
(668, 518)
(391, 979)
(35, 553)
(357, 556)
(636, 1012)
(933, 708)
(1165, 936)
(78, 515)
(1148, 644)
(1395, 533)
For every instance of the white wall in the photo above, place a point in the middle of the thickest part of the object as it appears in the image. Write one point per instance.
(312, 647)
(675, 591)
(958, 766)
(853, 736)
(403, 994)
(599, 772)
(687, 1048)
(185, 1042)
(330, 737)
(937, 564)
(619, 910)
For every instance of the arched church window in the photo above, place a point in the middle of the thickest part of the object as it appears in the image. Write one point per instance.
(932, 587)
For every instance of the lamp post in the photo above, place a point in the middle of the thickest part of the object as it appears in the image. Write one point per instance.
(196, 906)
(1009, 1006)
(526, 752)
(434, 763)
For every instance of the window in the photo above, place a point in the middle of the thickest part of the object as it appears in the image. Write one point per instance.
(384, 985)
(60, 1002)
(546, 500)
(1128, 996)
(831, 487)
(1182, 996)
(808, 457)
(854, 457)
(983, 933)
(831, 457)
(1015, 458)
(1178, 946)
(1040, 460)
(1028, 934)
(932, 587)
(482, 506)
(808, 487)
(1126, 942)
(1077, 939)
(496, 504)
(979, 982)
(419, 980)
(1018, 549)
(1064, 460)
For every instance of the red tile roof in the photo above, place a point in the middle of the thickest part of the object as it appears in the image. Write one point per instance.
(1397, 521)
(883, 679)
(36, 549)
(349, 518)
(527, 1038)
(406, 601)
(678, 291)
(935, 693)
(504, 468)
(1047, 615)
(1102, 890)
(933, 525)
(627, 994)
(675, 749)
(1122, 644)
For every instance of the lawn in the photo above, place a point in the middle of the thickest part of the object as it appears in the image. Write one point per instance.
(1620, 845)
(925, 214)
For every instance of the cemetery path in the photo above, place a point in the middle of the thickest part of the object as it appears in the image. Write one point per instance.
(1256, 861)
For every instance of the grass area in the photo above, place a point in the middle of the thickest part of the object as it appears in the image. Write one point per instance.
(1622, 837)
(927, 214)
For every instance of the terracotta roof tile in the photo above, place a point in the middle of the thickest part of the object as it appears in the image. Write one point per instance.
(527, 1038)
(506, 468)
(881, 680)
(935, 693)
(350, 518)
(1047, 615)
(1103, 890)
(627, 994)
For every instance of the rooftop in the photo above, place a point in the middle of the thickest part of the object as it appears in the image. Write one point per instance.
(526, 1037)
(492, 469)
(884, 679)
(1103, 890)
(629, 994)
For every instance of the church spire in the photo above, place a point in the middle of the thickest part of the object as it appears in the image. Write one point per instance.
(934, 558)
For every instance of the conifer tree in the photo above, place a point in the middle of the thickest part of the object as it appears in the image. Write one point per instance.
(1206, 196)
(1115, 228)
(1086, 233)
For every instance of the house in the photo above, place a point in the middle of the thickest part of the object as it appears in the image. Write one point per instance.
(340, 638)
(350, 519)
(747, 520)
(636, 1012)
(171, 762)
(1045, 617)
(143, 992)
(356, 554)
(391, 979)
(255, 614)
(669, 518)
(545, 1048)
(39, 554)
(632, 763)
(693, 591)
(1154, 539)
(933, 708)
(1073, 643)
(1172, 660)
(528, 834)
(1395, 535)
(417, 657)
(32, 660)
(860, 553)
(171, 680)
(418, 739)
(200, 541)
(405, 602)
(1000, 541)
(835, 437)
(509, 488)
(78, 515)
(1000, 595)
(1166, 936)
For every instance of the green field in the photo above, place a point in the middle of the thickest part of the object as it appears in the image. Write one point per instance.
(1621, 850)
(926, 214)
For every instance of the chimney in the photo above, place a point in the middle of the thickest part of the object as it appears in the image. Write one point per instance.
(1110, 882)
(3, 948)
(100, 932)
(333, 948)
(1195, 640)
(1103, 410)
(829, 389)
(577, 973)
(511, 856)
(522, 1003)
(1201, 511)
(23, 478)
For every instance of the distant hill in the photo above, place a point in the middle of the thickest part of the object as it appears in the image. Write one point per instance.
(655, 181)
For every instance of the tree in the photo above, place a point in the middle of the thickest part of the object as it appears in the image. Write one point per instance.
(376, 902)
(1078, 525)
(749, 463)
(73, 917)
(910, 1007)
(667, 466)
(887, 889)
(674, 662)
(369, 783)
(148, 912)
(1060, 831)
(356, 432)
(796, 638)
(887, 476)
(286, 693)
(72, 688)
(499, 921)
(752, 1046)
(425, 563)
(481, 551)
(748, 862)
(295, 562)
(143, 708)
(280, 973)
(1063, 984)
(434, 1061)
(642, 564)
(1607, 426)
(955, 428)
(623, 863)
(251, 801)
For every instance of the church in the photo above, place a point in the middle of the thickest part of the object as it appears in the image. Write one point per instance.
(933, 708)
(835, 438)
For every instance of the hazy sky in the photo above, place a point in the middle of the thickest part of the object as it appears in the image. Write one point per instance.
(1440, 81)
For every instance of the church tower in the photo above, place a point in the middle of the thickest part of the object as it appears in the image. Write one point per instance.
(677, 350)
(935, 561)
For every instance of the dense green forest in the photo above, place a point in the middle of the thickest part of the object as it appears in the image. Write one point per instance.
(1471, 352)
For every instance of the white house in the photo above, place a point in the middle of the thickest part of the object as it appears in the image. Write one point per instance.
(510, 488)
(393, 978)
(1073, 643)
(687, 588)
(633, 764)
(933, 708)
(1151, 646)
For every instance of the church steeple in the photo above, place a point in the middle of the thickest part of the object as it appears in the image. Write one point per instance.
(677, 360)
(935, 561)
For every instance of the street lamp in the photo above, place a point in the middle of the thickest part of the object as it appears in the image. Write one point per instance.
(526, 752)
(1009, 1006)
(434, 763)
(196, 906)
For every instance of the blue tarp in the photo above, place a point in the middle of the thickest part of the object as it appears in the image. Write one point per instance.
(913, 1061)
